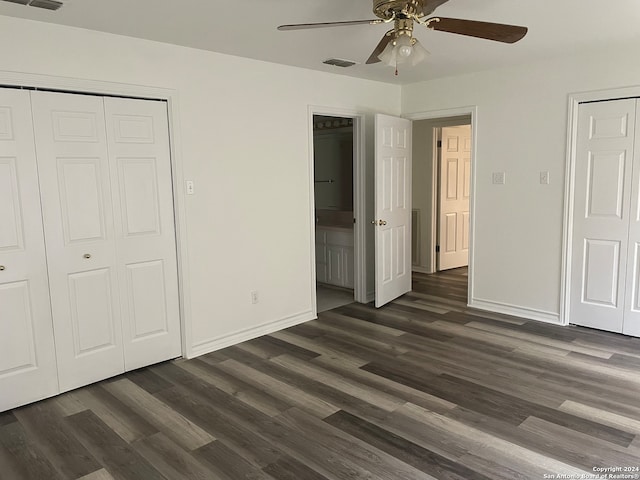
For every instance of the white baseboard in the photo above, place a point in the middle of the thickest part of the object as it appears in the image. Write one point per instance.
(516, 311)
(240, 336)
(419, 269)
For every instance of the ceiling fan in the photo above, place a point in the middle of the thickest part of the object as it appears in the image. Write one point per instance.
(399, 45)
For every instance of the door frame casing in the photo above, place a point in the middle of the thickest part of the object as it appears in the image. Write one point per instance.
(456, 112)
(575, 99)
(103, 88)
(359, 201)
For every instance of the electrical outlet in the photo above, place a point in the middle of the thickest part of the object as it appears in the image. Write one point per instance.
(498, 178)
(544, 178)
(190, 187)
(254, 297)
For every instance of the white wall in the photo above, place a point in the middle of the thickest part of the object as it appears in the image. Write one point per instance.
(244, 136)
(522, 130)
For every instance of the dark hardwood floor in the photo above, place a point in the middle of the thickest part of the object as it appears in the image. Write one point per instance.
(422, 388)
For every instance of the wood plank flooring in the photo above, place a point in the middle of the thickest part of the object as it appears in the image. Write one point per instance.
(423, 388)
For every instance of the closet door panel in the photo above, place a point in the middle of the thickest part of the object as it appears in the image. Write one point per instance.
(82, 201)
(139, 196)
(92, 316)
(11, 234)
(27, 354)
(138, 139)
(80, 238)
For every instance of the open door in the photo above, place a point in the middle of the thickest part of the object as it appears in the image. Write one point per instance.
(392, 207)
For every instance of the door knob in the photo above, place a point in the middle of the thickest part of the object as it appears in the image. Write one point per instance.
(378, 222)
(2, 268)
(383, 222)
(87, 256)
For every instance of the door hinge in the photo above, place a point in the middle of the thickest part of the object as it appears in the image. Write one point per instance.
(437, 248)
(439, 143)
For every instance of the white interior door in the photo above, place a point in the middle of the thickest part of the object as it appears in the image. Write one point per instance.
(601, 219)
(455, 186)
(392, 207)
(80, 238)
(140, 163)
(27, 354)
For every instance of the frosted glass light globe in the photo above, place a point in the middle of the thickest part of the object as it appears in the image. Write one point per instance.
(405, 50)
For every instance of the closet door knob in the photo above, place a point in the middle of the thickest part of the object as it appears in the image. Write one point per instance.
(87, 255)
(2, 268)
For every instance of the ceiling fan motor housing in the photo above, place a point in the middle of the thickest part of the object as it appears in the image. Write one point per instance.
(387, 9)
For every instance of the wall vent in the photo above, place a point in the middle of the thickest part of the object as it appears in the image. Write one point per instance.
(337, 62)
(46, 4)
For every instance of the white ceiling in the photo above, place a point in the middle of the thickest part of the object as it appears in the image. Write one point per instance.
(247, 28)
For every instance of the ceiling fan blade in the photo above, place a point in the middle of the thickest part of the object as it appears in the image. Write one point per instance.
(489, 31)
(388, 37)
(304, 26)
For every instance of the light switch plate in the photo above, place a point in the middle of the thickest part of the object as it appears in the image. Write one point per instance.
(499, 178)
(544, 178)
(190, 187)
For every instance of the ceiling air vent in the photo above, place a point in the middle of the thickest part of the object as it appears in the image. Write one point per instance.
(337, 62)
(46, 4)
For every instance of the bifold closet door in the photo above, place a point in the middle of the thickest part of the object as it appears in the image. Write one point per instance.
(27, 354)
(79, 229)
(140, 163)
(606, 222)
(105, 180)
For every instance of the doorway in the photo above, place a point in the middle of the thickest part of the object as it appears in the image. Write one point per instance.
(441, 199)
(427, 217)
(333, 167)
(364, 195)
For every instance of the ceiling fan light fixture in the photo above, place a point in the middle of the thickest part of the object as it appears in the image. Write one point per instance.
(419, 53)
(387, 56)
(403, 49)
